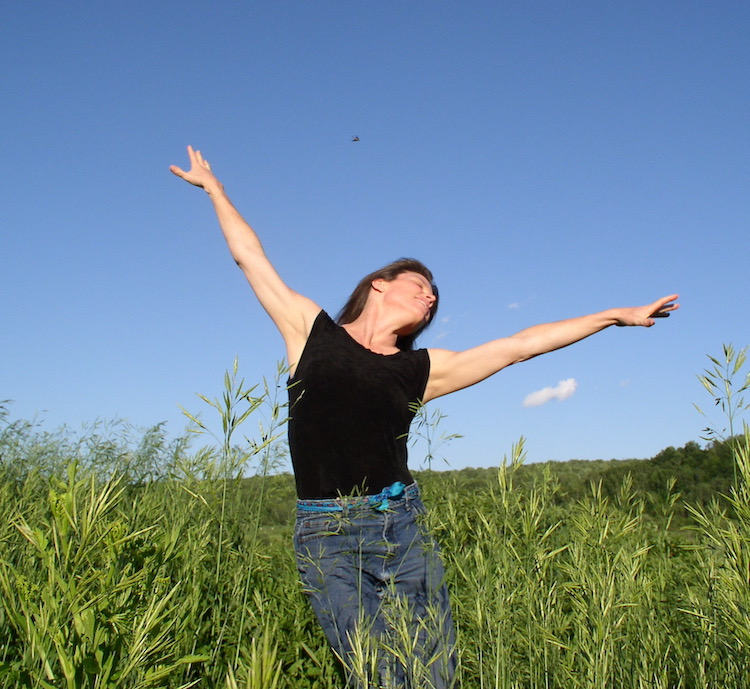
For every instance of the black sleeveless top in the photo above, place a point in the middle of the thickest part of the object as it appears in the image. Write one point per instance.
(349, 413)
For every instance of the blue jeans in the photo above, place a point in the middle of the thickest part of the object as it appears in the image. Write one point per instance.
(374, 578)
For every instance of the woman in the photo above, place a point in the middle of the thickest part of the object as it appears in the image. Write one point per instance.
(369, 570)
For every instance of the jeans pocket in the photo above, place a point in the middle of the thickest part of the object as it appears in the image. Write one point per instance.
(309, 528)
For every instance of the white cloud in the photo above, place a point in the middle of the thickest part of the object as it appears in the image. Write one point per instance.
(564, 389)
(521, 303)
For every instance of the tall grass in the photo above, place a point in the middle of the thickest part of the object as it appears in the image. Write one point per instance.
(144, 562)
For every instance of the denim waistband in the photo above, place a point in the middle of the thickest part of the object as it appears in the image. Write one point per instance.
(380, 501)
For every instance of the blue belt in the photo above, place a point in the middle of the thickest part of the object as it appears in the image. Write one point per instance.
(378, 502)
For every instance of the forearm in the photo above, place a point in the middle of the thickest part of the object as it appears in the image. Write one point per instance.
(547, 337)
(240, 237)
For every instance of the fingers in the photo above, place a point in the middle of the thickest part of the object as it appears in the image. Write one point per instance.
(666, 302)
(197, 159)
(661, 308)
(671, 297)
(664, 306)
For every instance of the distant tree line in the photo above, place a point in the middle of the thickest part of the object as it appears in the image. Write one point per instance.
(692, 474)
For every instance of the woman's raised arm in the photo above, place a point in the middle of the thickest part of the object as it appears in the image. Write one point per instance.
(292, 313)
(451, 371)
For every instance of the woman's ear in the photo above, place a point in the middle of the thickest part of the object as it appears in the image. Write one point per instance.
(379, 284)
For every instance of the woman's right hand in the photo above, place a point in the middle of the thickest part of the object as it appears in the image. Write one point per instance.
(199, 174)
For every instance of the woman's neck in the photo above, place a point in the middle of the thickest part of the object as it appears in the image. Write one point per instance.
(372, 334)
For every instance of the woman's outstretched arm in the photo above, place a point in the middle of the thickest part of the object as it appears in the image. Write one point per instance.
(292, 313)
(451, 371)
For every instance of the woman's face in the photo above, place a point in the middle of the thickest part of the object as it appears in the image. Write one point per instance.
(411, 292)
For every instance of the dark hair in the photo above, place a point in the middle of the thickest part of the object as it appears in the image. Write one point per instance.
(356, 302)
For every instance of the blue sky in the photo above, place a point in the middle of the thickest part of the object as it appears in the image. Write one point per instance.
(545, 159)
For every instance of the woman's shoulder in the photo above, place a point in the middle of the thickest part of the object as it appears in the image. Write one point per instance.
(323, 321)
(325, 328)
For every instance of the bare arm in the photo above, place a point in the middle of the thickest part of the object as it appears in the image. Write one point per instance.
(292, 313)
(451, 371)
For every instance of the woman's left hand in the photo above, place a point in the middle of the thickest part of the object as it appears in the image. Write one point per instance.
(646, 315)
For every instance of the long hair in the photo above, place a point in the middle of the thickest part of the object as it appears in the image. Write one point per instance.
(356, 302)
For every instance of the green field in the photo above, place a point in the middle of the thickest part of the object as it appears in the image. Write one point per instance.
(131, 560)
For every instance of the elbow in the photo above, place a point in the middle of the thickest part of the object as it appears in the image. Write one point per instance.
(526, 357)
(524, 349)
